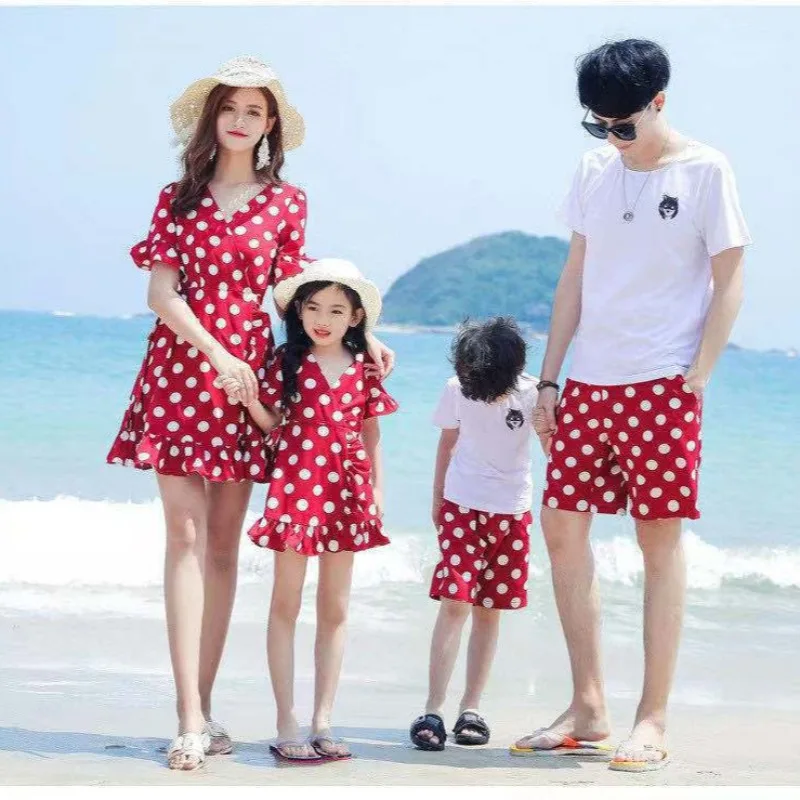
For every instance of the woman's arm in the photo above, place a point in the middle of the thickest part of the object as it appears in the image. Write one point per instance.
(164, 300)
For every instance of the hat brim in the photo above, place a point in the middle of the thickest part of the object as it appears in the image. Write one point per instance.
(368, 292)
(186, 110)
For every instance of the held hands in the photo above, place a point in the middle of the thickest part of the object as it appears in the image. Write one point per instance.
(236, 375)
(544, 417)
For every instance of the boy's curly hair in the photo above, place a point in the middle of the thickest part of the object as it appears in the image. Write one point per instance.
(488, 357)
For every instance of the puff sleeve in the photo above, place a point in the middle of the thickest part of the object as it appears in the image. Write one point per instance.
(160, 246)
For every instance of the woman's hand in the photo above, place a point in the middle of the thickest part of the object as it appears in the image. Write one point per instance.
(230, 368)
(377, 498)
(383, 357)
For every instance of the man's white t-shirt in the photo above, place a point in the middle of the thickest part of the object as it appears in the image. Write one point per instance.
(647, 283)
(490, 469)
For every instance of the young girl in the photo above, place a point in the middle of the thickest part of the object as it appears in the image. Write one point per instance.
(325, 497)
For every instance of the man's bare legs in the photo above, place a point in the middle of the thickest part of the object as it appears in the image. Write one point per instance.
(577, 596)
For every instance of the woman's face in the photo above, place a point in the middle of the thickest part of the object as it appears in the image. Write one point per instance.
(243, 120)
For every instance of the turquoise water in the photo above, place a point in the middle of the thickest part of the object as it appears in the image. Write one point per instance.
(64, 383)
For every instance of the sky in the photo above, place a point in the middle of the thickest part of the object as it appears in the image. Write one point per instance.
(426, 127)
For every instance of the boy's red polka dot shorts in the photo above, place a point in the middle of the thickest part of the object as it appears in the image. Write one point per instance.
(615, 445)
(484, 557)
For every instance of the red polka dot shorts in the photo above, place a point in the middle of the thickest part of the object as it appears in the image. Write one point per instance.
(636, 444)
(484, 558)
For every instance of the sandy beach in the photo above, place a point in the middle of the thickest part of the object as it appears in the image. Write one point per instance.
(88, 700)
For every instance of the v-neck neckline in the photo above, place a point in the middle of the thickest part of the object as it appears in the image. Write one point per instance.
(337, 384)
(239, 209)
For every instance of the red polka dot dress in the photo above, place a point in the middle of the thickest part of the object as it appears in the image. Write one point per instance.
(320, 496)
(178, 422)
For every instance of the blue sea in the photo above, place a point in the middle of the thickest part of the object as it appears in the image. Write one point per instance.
(81, 537)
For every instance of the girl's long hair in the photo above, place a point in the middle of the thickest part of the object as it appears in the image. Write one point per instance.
(298, 342)
(198, 166)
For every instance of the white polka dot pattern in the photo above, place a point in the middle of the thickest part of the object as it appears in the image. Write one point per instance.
(646, 454)
(177, 422)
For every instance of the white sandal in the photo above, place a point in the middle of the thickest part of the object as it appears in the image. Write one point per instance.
(220, 742)
(188, 751)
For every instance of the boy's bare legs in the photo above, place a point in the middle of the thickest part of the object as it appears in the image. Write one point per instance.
(444, 652)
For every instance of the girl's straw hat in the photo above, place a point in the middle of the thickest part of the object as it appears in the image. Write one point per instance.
(334, 270)
(244, 71)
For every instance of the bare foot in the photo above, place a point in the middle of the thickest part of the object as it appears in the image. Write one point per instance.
(647, 735)
(583, 724)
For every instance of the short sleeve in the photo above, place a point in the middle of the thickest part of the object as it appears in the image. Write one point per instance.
(571, 211)
(290, 258)
(446, 414)
(379, 402)
(160, 246)
(722, 222)
(270, 381)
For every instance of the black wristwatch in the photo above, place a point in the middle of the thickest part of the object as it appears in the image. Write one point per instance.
(547, 385)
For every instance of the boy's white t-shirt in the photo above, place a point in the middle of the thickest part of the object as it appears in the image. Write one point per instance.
(490, 469)
(647, 283)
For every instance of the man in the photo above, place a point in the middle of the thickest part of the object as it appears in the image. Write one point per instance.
(650, 290)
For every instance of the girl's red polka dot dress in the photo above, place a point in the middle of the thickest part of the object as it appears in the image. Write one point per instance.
(320, 496)
(177, 422)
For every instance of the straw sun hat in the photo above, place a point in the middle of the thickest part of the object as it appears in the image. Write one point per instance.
(335, 270)
(244, 71)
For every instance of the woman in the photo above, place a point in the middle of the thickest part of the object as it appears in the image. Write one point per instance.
(220, 236)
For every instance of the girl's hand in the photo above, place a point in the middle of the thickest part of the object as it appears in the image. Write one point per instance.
(383, 357)
(436, 511)
(230, 367)
(377, 498)
(232, 387)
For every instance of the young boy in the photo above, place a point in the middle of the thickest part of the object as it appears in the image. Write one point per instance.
(482, 493)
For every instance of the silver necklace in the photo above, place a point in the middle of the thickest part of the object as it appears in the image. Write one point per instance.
(629, 215)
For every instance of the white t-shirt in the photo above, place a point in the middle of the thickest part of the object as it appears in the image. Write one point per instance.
(647, 283)
(490, 469)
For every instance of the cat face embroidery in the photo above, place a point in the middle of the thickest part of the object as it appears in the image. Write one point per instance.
(668, 207)
(514, 419)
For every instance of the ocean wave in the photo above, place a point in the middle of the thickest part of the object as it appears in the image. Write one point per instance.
(68, 542)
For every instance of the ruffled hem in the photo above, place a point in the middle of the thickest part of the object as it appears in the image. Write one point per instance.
(173, 457)
(314, 540)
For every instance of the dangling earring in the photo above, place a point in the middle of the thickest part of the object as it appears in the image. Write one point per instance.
(263, 153)
(213, 153)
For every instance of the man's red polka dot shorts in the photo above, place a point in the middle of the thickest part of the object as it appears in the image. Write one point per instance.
(615, 445)
(484, 557)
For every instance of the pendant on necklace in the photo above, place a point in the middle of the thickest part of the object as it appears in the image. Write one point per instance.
(628, 216)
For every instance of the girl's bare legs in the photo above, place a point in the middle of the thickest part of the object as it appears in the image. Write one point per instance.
(226, 505)
(287, 595)
(183, 498)
(333, 598)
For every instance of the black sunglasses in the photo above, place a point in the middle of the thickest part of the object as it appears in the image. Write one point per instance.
(622, 130)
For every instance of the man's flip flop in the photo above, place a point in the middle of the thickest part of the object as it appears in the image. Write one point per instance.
(325, 751)
(566, 746)
(279, 751)
(471, 720)
(654, 758)
(428, 722)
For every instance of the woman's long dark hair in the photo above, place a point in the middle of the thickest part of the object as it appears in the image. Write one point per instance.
(198, 166)
(298, 342)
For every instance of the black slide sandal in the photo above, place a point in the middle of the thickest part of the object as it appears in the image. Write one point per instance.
(472, 721)
(428, 722)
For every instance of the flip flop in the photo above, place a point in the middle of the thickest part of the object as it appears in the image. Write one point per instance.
(474, 721)
(428, 722)
(565, 746)
(279, 751)
(655, 758)
(317, 741)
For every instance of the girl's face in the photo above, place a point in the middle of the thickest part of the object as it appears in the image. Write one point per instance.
(327, 315)
(243, 120)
